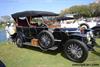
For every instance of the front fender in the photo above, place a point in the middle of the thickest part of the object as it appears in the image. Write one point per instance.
(78, 36)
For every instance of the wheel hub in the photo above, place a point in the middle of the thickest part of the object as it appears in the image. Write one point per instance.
(75, 50)
(45, 40)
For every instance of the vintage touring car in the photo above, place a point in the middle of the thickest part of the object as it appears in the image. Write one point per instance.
(41, 29)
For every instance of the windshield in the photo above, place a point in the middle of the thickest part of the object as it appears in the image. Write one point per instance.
(50, 20)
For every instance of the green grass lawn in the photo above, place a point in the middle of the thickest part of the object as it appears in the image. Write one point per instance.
(12, 56)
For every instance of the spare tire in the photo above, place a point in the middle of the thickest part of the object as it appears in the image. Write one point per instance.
(46, 39)
(84, 26)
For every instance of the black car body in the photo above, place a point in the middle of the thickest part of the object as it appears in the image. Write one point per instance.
(48, 35)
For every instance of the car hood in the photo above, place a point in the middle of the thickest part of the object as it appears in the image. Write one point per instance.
(68, 29)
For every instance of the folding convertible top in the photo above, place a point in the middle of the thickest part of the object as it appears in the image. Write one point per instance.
(33, 14)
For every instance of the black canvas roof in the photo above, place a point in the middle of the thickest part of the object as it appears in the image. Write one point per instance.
(33, 13)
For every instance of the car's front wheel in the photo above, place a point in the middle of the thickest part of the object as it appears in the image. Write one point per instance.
(76, 51)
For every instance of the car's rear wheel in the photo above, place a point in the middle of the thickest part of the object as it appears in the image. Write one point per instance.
(19, 42)
(46, 39)
(76, 51)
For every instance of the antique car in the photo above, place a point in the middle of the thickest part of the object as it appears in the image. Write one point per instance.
(42, 29)
(71, 22)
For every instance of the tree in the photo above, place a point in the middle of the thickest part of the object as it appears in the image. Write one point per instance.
(65, 11)
(95, 9)
(5, 18)
(91, 10)
(82, 10)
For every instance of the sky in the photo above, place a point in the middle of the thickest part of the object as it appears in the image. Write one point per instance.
(8, 7)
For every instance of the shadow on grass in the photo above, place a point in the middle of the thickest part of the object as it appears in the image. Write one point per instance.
(98, 46)
(96, 53)
(52, 52)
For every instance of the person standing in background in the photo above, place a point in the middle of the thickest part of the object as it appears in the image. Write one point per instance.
(7, 32)
(10, 31)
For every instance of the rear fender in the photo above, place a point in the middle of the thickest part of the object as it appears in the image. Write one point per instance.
(77, 36)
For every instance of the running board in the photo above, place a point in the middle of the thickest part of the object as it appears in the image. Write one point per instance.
(57, 40)
(27, 43)
(52, 48)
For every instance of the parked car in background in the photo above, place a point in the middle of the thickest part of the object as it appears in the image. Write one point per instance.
(68, 22)
(10, 31)
(77, 23)
(42, 29)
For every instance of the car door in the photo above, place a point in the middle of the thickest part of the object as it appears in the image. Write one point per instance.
(26, 32)
(33, 32)
(39, 29)
(34, 24)
(23, 27)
